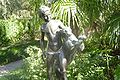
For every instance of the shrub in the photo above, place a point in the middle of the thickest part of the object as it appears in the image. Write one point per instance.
(35, 68)
(10, 31)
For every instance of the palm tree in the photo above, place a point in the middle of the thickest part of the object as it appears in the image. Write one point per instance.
(69, 13)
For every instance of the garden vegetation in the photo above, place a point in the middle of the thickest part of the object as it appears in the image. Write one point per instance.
(99, 20)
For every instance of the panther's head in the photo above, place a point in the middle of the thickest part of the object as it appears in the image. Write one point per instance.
(67, 31)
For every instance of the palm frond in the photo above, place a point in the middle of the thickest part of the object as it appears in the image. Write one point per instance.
(68, 12)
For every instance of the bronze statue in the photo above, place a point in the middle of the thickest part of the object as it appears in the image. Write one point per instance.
(62, 44)
(50, 28)
(71, 43)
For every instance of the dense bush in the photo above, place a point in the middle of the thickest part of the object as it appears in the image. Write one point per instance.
(99, 18)
(10, 31)
(15, 52)
(82, 67)
(35, 68)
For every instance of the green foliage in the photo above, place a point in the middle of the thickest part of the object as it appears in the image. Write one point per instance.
(23, 13)
(69, 13)
(3, 38)
(99, 61)
(10, 31)
(35, 68)
(117, 72)
(13, 75)
(103, 18)
(84, 67)
(111, 30)
(15, 52)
